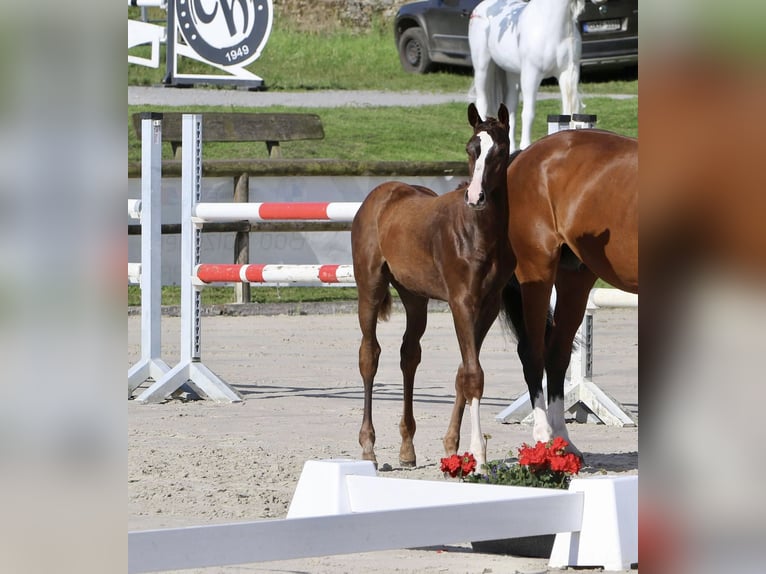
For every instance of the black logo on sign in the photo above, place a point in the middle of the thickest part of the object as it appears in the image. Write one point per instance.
(225, 32)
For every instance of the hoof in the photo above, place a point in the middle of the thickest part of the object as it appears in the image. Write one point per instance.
(407, 463)
(371, 458)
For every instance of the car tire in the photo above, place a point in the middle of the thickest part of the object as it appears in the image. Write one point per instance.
(413, 51)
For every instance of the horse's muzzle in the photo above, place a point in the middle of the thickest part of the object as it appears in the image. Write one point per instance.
(480, 204)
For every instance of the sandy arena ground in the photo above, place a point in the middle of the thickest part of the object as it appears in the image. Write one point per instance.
(198, 462)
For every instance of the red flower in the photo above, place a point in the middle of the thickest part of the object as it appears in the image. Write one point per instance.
(559, 445)
(468, 464)
(457, 465)
(573, 463)
(533, 456)
(451, 465)
(542, 465)
(568, 462)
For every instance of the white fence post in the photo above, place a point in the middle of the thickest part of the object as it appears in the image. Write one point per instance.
(190, 370)
(150, 366)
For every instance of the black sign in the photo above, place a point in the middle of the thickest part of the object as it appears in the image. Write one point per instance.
(225, 32)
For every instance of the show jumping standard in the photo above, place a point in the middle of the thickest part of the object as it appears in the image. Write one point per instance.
(515, 45)
(430, 246)
(572, 218)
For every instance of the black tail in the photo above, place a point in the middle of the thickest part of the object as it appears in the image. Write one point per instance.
(513, 311)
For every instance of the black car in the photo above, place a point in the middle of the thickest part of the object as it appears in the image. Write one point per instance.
(436, 32)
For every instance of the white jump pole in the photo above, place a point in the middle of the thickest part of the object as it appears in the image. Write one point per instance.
(582, 397)
(150, 366)
(558, 122)
(583, 121)
(190, 369)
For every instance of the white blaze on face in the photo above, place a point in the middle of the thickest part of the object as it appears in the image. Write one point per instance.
(474, 188)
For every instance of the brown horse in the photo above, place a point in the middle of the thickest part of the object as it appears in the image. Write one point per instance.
(430, 246)
(573, 217)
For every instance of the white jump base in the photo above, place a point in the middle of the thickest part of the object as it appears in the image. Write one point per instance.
(342, 507)
(582, 397)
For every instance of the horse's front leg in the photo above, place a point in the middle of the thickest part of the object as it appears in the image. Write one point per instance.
(469, 382)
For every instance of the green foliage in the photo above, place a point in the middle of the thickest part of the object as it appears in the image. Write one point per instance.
(514, 474)
(545, 465)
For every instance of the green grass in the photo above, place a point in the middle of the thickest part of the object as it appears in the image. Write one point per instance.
(171, 295)
(296, 61)
(427, 133)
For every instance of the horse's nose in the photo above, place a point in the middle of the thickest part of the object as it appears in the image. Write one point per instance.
(480, 199)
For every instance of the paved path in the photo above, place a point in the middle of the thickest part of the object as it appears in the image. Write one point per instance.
(162, 96)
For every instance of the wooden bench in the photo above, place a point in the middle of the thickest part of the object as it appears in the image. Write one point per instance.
(272, 129)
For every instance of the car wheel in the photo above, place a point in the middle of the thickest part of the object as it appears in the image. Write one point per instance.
(413, 51)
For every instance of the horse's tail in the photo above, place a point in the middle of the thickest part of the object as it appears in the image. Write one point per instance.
(577, 6)
(512, 312)
(495, 87)
(384, 313)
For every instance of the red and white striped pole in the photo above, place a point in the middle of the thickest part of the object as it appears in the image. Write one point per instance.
(273, 273)
(325, 211)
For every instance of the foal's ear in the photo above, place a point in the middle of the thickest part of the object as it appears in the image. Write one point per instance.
(473, 115)
(502, 114)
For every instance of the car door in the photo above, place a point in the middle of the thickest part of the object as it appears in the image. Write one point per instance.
(448, 26)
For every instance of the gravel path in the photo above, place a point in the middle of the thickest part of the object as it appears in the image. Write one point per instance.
(162, 96)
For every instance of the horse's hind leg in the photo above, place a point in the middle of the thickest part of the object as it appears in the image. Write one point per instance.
(451, 439)
(569, 81)
(478, 39)
(536, 281)
(511, 101)
(530, 83)
(373, 296)
(417, 309)
(572, 289)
